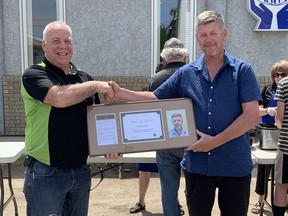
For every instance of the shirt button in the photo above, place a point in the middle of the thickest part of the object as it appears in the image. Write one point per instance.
(209, 127)
(211, 87)
(210, 100)
(209, 113)
(209, 153)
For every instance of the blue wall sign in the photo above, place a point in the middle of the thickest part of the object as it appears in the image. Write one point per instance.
(271, 15)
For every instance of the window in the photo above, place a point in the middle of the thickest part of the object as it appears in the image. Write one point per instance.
(173, 18)
(168, 20)
(35, 14)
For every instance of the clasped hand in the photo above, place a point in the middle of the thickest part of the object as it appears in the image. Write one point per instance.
(115, 91)
(105, 89)
(112, 155)
(204, 144)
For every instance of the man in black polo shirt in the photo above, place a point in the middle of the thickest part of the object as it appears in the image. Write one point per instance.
(56, 94)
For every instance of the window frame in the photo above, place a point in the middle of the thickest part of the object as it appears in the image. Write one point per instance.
(23, 4)
(155, 32)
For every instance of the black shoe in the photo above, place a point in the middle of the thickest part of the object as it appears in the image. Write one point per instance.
(137, 208)
(256, 208)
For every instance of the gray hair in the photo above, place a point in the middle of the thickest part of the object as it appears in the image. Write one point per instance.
(49, 25)
(176, 115)
(208, 17)
(173, 48)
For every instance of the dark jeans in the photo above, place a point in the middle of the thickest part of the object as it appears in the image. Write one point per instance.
(52, 191)
(233, 194)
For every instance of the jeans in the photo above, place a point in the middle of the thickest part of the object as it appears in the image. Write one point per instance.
(168, 162)
(52, 191)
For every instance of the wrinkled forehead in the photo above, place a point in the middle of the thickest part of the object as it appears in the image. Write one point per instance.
(57, 30)
(58, 35)
(211, 26)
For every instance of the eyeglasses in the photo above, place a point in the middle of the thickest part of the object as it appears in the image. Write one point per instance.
(276, 75)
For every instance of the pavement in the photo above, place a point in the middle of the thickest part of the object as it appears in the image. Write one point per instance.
(114, 196)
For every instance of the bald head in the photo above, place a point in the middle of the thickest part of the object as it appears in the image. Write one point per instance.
(53, 25)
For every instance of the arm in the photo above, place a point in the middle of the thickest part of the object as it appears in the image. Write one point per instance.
(64, 96)
(247, 120)
(262, 111)
(267, 111)
(263, 104)
(129, 95)
(280, 114)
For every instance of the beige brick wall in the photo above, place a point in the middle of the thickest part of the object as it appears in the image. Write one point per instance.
(264, 80)
(14, 117)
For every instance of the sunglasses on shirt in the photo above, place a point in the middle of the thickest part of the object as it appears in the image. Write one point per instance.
(276, 75)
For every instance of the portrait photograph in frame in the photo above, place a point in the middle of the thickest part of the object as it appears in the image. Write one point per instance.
(177, 123)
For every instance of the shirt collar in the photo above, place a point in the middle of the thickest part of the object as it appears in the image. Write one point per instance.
(174, 64)
(59, 70)
(199, 63)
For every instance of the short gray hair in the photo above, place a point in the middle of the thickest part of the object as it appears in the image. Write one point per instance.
(51, 24)
(173, 48)
(208, 17)
(176, 115)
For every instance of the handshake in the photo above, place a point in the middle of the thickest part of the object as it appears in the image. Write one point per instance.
(110, 90)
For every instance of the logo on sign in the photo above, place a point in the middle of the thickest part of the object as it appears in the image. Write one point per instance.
(271, 15)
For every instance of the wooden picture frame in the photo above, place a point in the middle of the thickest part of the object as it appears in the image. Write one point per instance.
(139, 126)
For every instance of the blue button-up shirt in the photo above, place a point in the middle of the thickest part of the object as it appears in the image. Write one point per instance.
(174, 133)
(216, 105)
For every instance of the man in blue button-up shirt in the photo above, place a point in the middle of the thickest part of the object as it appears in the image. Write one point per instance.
(225, 96)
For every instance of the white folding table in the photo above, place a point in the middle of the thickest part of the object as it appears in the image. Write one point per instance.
(140, 157)
(266, 158)
(9, 153)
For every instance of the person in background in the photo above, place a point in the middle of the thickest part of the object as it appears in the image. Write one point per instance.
(281, 162)
(267, 112)
(159, 66)
(56, 95)
(145, 169)
(144, 180)
(225, 96)
(174, 56)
